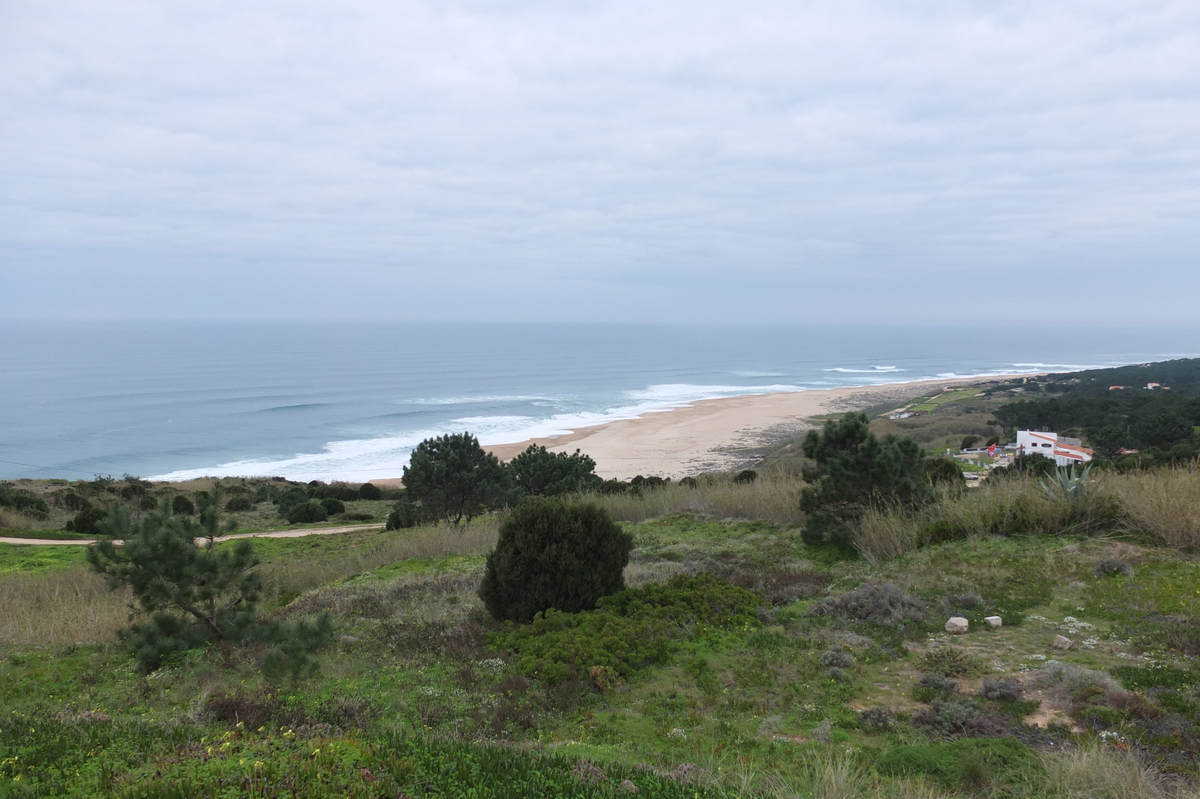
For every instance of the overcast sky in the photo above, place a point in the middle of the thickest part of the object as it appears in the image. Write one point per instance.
(620, 160)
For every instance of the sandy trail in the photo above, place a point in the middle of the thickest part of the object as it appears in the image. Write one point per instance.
(355, 528)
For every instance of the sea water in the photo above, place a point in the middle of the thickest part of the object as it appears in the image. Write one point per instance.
(350, 400)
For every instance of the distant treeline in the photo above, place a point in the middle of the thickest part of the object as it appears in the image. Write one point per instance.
(1115, 411)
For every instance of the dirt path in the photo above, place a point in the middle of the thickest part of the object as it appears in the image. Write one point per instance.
(354, 528)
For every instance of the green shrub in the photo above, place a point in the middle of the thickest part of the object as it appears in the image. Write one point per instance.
(1003, 760)
(885, 605)
(72, 501)
(1113, 566)
(369, 491)
(87, 521)
(551, 554)
(239, 505)
(406, 515)
(950, 661)
(629, 630)
(745, 476)
(21, 500)
(333, 506)
(944, 472)
(290, 499)
(182, 506)
(999, 690)
(1158, 675)
(960, 718)
(934, 686)
(307, 513)
(836, 657)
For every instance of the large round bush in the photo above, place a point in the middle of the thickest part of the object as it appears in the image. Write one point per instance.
(553, 554)
(307, 513)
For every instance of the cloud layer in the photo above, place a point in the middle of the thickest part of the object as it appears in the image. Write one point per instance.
(611, 160)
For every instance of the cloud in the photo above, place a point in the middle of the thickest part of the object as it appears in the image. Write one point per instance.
(647, 159)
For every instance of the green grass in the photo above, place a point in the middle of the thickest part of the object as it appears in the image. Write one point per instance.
(30, 558)
(422, 695)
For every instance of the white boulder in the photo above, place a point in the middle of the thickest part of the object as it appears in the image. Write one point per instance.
(957, 625)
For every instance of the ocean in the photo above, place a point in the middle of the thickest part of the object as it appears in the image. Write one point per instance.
(348, 401)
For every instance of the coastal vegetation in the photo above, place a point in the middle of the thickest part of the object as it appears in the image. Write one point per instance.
(721, 650)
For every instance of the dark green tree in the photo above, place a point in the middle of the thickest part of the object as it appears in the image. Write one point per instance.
(333, 506)
(552, 554)
(87, 521)
(455, 480)
(854, 470)
(944, 471)
(182, 506)
(188, 592)
(1108, 440)
(1162, 429)
(541, 473)
(289, 499)
(406, 514)
(369, 491)
(745, 476)
(307, 513)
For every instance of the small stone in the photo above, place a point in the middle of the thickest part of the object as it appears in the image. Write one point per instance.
(994, 621)
(1063, 642)
(957, 625)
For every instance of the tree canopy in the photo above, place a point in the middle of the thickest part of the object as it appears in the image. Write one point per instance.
(853, 470)
(454, 479)
(541, 473)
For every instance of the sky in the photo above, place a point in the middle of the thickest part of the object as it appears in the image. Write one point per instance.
(848, 160)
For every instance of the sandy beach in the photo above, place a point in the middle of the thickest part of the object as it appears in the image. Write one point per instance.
(718, 434)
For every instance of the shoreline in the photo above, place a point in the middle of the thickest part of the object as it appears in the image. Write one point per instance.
(720, 434)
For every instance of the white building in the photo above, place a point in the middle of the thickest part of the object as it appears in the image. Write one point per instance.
(1064, 451)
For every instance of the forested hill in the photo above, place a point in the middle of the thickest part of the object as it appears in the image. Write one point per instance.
(1113, 408)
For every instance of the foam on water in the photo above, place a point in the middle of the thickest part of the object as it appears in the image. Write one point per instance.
(177, 401)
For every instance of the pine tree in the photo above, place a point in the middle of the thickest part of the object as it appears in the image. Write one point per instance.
(188, 592)
(454, 479)
(542, 473)
(853, 470)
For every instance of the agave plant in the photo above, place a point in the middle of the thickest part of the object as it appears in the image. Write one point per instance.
(1066, 484)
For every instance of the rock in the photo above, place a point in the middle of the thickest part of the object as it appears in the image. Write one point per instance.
(957, 625)
(1063, 642)
(994, 621)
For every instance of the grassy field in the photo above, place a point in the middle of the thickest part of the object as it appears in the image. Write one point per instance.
(794, 672)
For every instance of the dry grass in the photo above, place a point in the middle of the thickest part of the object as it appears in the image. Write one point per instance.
(295, 576)
(774, 498)
(886, 534)
(60, 607)
(1164, 504)
(1015, 506)
(17, 521)
(75, 606)
(1104, 772)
